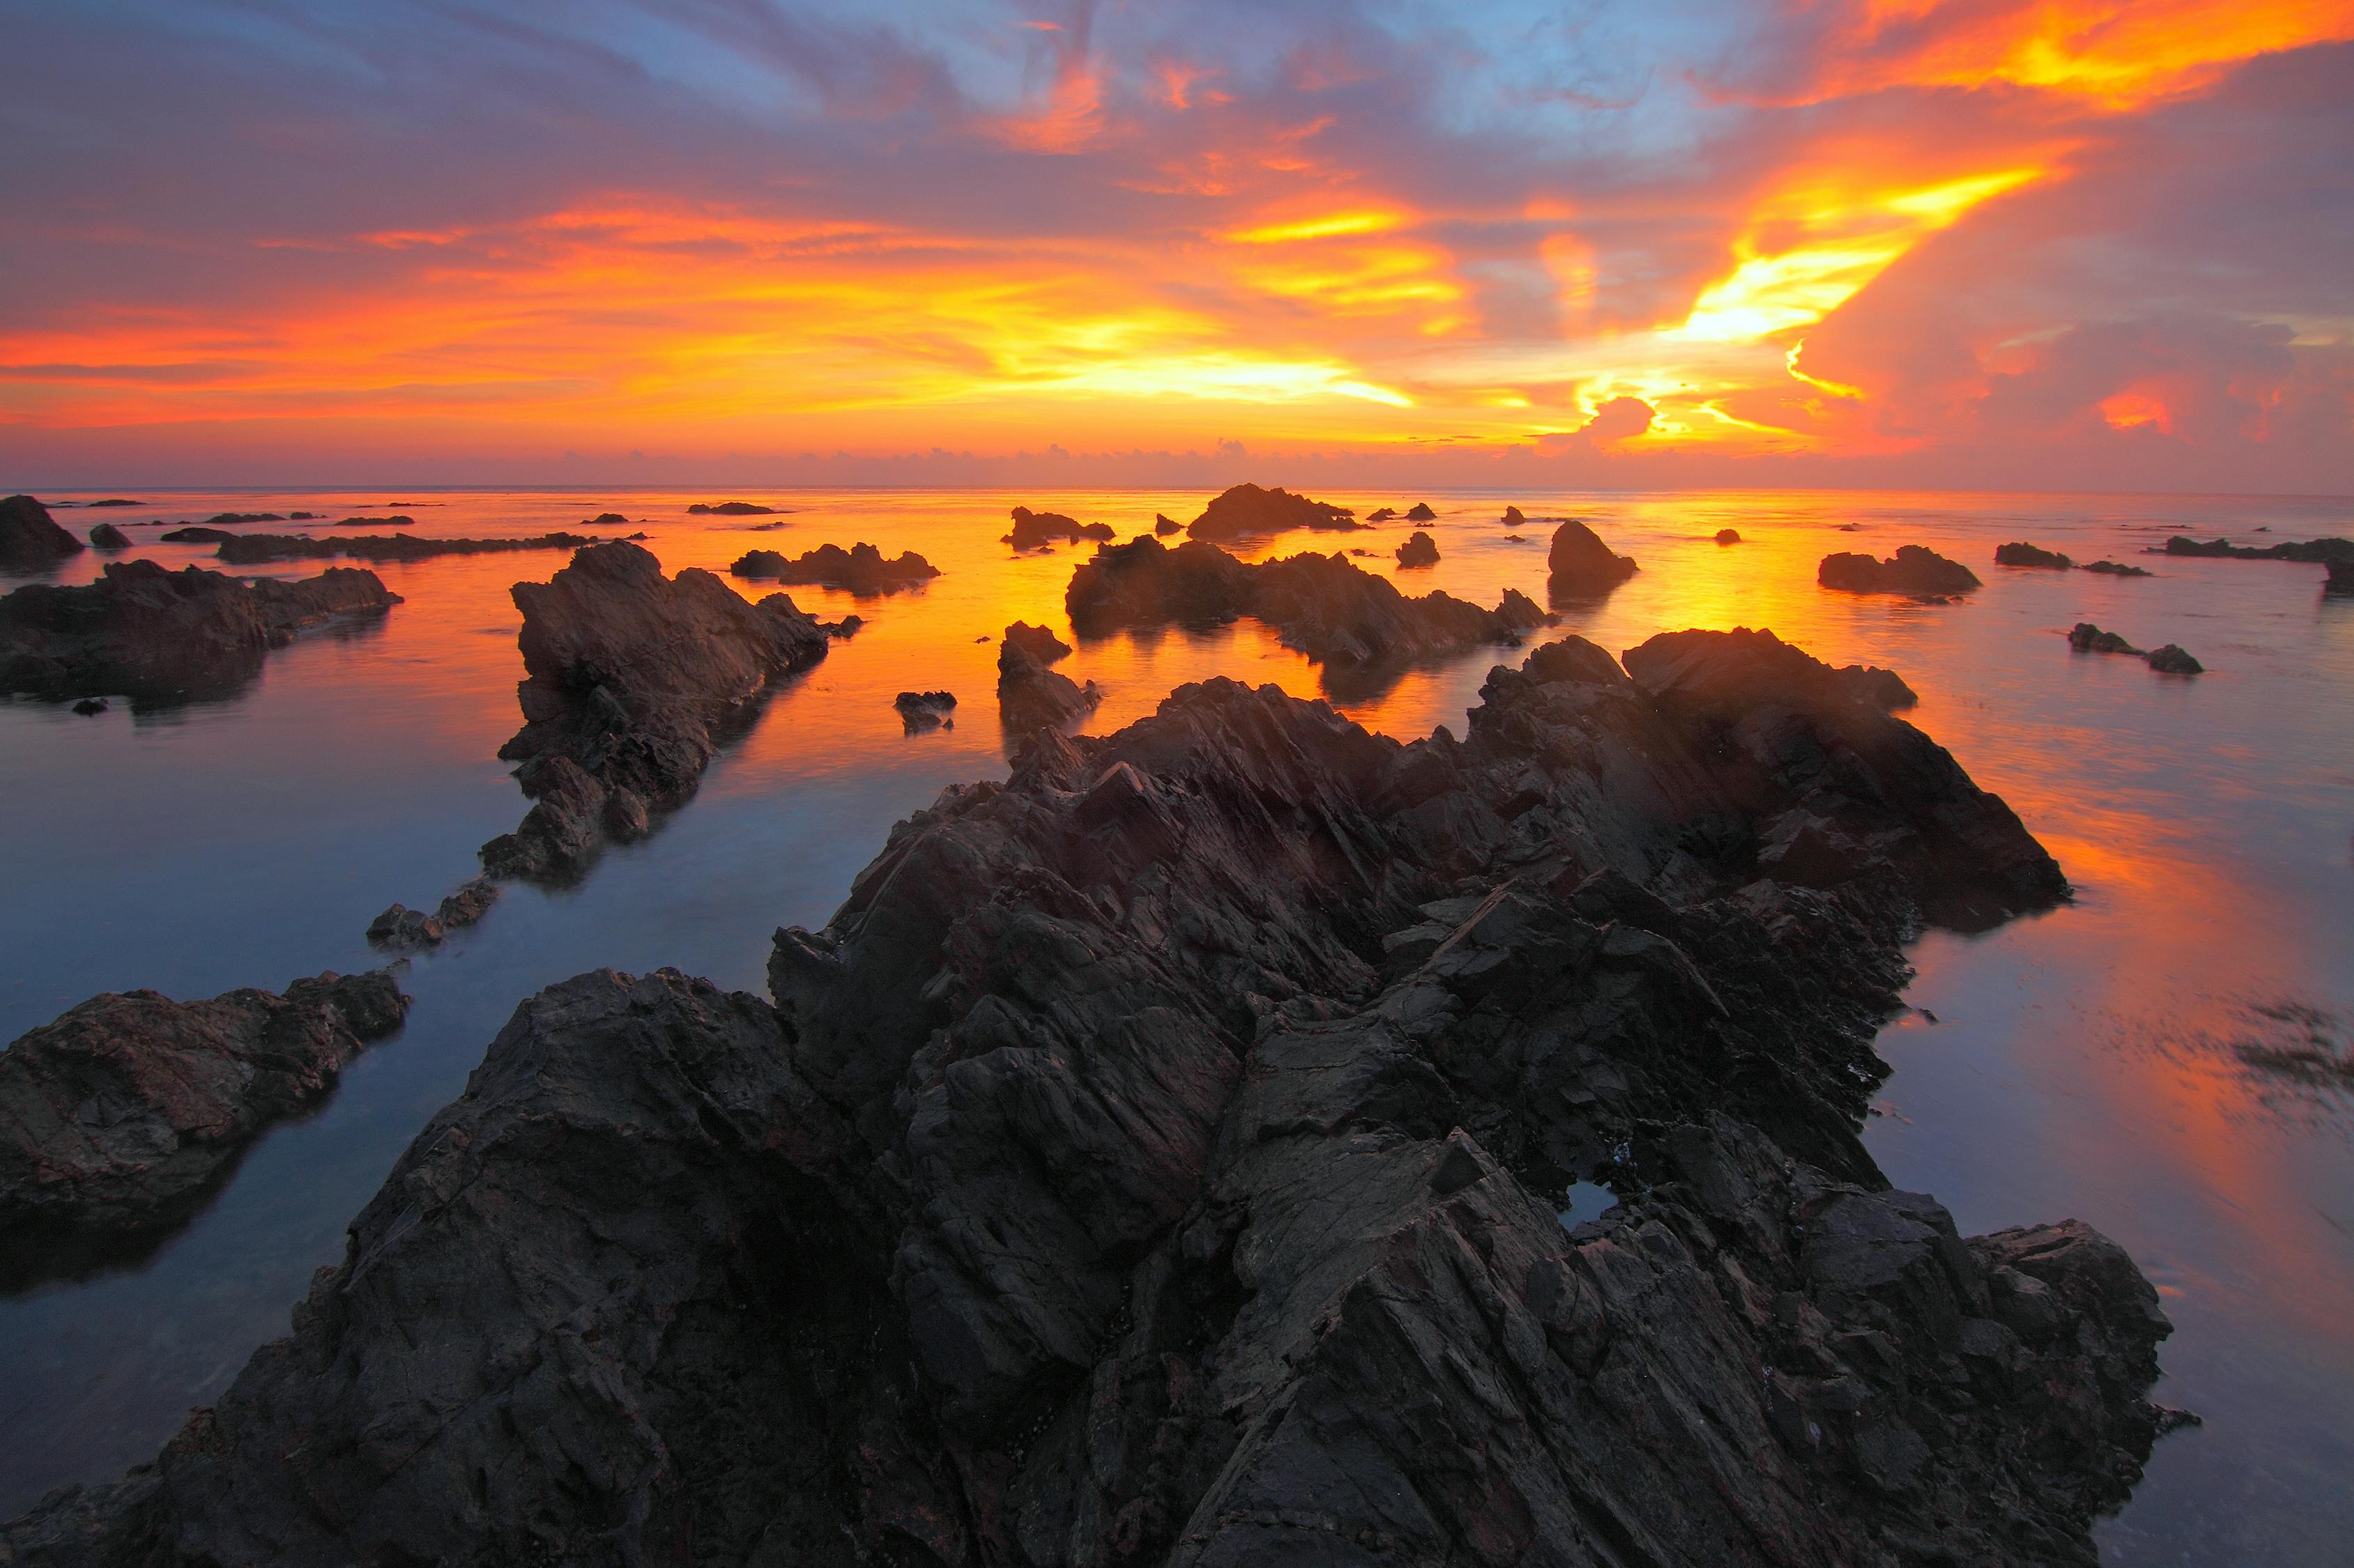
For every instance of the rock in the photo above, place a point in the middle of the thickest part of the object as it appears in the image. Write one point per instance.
(1382, 515)
(1419, 550)
(632, 681)
(2310, 550)
(159, 636)
(732, 508)
(229, 519)
(925, 710)
(1032, 529)
(197, 536)
(605, 520)
(1580, 565)
(31, 540)
(1515, 517)
(301, 517)
(862, 570)
(401, 927)
(1163, 525)
(1329, 609)
(1728, 537)
(1030, 696)
(2087, 638)
(90, 706)
(2018, 554)
(1913, 570)
(1040, 643)
(2342, 578)
(1247, 510)
(1105, 1184)
(116, 1118)
(396, 523)
(113, 501)
(1883, 689)
(2115, 569)
(106, 536)
(845, 628)
(2171, 660)
(248, 549)
(1420, 512)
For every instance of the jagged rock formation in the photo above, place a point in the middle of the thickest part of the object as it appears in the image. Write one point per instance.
(1913, 570)
(732, 508)
(30, 539)
(862, 570)
(2087, 638)
(2115, 569)
(106, 536)
(1420, 512)
(632, 681)
(1163, 525)
(401, 927)
(1329, 609)
(1247, 510)
(1039, 641)
(2023, 555)
(2309, 550)
(1032, 529)
(925, 710)
(1031, 696)
(117, 1116)
(157, 636)
(1419, 550)
(1580, 565)
(1154, 1160)
(1382, 515)
(248, 549)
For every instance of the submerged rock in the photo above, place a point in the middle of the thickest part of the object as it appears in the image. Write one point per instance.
(2019, 555)
(1247, 509)
(252, 549)
(1419, 550)
(2171, 660)
(862, 570)
(1032, 529)
(401, 927)
(2309, 550)
(732, 508)
(1030, 696)
(633, 681)
(30, 539)
(2087, 638)
(2115, 569)
(925, 710)
(156, 635)
(1912, 570)
(1580, 565)
(106, 536)
(1156, 1160)
(196, 535)
(1728, 537)
(117, 1116)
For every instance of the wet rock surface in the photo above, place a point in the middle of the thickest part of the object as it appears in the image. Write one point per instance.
(1157, 1158)
(862, 570)
(633, 681)
(117, 1118)
(1247, 510)
(1579, 566)
(401, 927)
(1912, 570)
(1419, 550)
(2170, 659)
(158, 636)
(249, 549)
(1030, 696)
(30, 539)
(1032, 529)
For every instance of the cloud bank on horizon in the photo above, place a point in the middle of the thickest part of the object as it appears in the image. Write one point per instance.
(2060, 243)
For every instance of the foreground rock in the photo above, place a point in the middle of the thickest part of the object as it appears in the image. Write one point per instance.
(1156, 1159)
(1030, 696)
(2309, 550)
(1580, 565)
(248, 549)
(106, 536)
(632, 681)
(1419, 550)
(30, 539)
(116, 1119)
(1921, 573)
(1332, 611)
(156, 635)
(862, 570)
(1247, 510)
(1032, 529)
(401, 927)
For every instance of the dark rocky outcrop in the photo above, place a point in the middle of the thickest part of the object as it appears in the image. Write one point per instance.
(1030, 696)
(1419, 550)
(30, 539)
(605, 520)
(113, 501)
(2115, 569)
(195, 535)
(1515, 517)
(246, 549)
(1039, 641)
(2340, 578)
(2023, 554)
(2309, 550)
(1420, 512)
(1912, 570)
(401, 522)
(106, 536)
(632, 681)
(1883, 689)
(1579, 566)
(862, 570)
(402, 928)
(117, 1118)
(2171, 660)
(1245, 511)
(2087, 638)
(1032, 529)
(156, 635)
(1163, 525)
(925, 710)
(1382, 515)
(231, 519)
(732, 508)
(1728, 536)
(1156, 1159)
(89, 707)
(1326, 607)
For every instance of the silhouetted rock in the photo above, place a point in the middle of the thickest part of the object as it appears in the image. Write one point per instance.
(113, 501)
(1329, 609)
(1247, 509)
(632, 680)
(925, 710)
(2340, 578)
(605, 520)
(2115, 569)
(1580, 565)
(194, 535)
(1032, 529)
(1728, 537)
(1381, 514)
(1913, 570)
(301, 517)
(1039, 641)
(1881, 688)
(245, 549)
(1030, 696)
(1420, 512)
(2171, 660)
(229, 519)
(2020, 555)
(862, 570)
(2087, 638)
(146, 633)
(1156, 1160)
(30, 539)
(390, 521)
(1515, 517)
(106, 536)
(401, 927)
(116, 1117)
(1164, 525)
(90, 706)
(1419, 550)
(2310, 550)
(732, 508)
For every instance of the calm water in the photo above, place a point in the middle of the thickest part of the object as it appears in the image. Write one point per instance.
(2132, 1060)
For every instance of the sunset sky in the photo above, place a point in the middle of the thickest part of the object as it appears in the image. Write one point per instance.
(1983, 243)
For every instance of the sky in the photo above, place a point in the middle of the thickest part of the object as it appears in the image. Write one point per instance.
(1985, 244)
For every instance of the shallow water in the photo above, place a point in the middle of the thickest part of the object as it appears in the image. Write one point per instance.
(2143, 1059)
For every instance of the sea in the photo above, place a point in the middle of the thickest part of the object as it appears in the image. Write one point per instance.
(2170, 1056)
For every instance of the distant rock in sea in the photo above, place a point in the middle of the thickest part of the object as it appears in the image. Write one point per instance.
(1032, 529)
(925, 710)
(2310, 550)
(1419, 550)
(252, 549)
(1245, 511)
(1913, 570)
(732, 508)
(2115, 569)
(862, 570)
(2021, 555)
(106, 536)
(1579, 566)
(2171, 660)
(1420, 512)
(1728, 537)
(2087, 638)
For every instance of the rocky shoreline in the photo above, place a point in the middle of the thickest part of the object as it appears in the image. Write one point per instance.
(1157, 1158)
